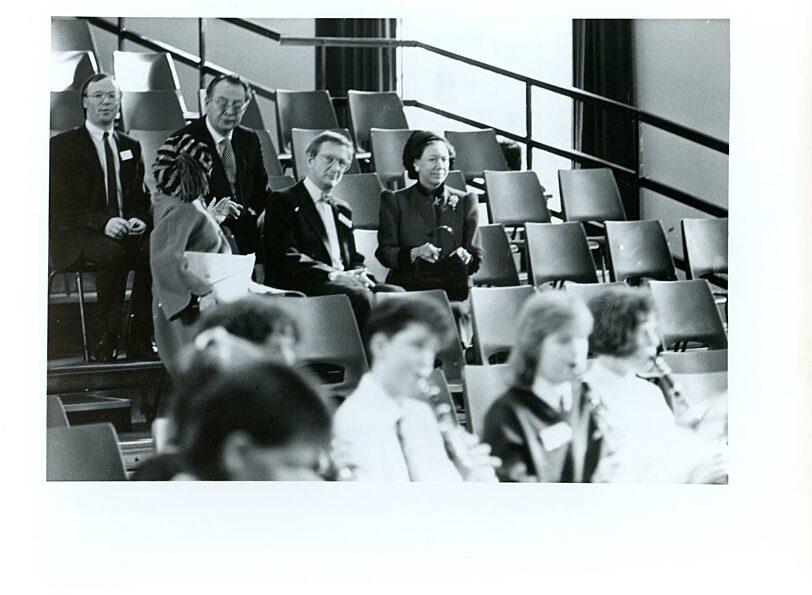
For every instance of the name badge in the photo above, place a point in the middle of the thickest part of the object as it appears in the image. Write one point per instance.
(555, 436)
(125, 155)
(345, 220)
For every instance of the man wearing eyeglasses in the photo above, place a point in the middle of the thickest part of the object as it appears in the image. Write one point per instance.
(238, 183)
(99, 215)
(309, 246)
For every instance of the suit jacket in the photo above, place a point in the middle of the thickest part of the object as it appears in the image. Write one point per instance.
(78, 197)
(514, 426)
(296, 245)
(251, 182)
(408, 220)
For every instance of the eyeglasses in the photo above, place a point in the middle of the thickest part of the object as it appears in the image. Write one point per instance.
(101, 96)
(331, 160)
(224, 104)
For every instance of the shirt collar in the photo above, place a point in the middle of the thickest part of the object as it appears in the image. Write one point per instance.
(95, 132)
(216, 135)
(557, 396)
(314, 191)
(375, 396)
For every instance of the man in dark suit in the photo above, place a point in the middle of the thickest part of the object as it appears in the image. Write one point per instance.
(309, 246)
(238, 177)
(99, 214)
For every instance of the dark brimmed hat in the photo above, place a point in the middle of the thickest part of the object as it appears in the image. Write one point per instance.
(166, 168)
(414, 148)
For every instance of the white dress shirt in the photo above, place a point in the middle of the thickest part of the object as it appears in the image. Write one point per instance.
(97, 134)
(328, 218)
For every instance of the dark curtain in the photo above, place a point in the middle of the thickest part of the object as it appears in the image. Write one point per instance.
(361, 69)
(602, 64)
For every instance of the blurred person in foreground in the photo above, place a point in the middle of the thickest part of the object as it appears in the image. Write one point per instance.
(385, 430)
(542, 427)
(648, 443)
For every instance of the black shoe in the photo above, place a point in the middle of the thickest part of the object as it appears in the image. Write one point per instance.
(105, 350)
(142, 349)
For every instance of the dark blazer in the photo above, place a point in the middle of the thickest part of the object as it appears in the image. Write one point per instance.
(408, 220)
(78, 197)
(296, 245)
(252, 180)
(513, 426)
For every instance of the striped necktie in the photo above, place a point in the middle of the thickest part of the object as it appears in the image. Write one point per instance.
(229, 164)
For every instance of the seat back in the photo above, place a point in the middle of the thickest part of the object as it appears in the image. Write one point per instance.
(69, 69)
(366, 243)
(270, 157)
(704, 243)
(451, 357)
(697, 361)
(363, 193)
(55, 413)
(152, 110)
(387, 152)
(559, 252)
(637, 250)
(303, 109)
(590, 195)
(372, 109)
(151, 141)
(251, 118)
(84, 453)
(280, 182)
(515, 198)
(686, 311)
(586, 291)
(495, 313)
(455, 179)
(483, 385)
(331, 345)
(66, 110)
(144, 71)
(498, 267)
(301, 137)
(477, 151)
(69, 34)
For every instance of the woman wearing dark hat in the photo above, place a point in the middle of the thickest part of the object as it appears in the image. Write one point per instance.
(182, 222)
(426, 231)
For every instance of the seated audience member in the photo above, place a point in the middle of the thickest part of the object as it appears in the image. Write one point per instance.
(309, 246)
(383, 430)
(238, 182)
(99, 214)
(260, 422)
(647, 444)
(541, 427)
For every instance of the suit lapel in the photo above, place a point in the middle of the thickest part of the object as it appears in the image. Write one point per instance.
(309, 213)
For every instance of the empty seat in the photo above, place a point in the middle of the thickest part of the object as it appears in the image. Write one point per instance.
(686, 312)
(559, 252)
(269, 155)
(55, 411)
(280, 182)
(697, 361)
(387, 153)
(251, 117)
(483, 385)
(371, 109)
(151, 141)
(145, 71)
(495, 313)
(331, 345)
(303, 109)
(152, 110)
(476, 151)
(84, 453)
(70, 69)
(300, 138)
(71, 34)
(704, 242)
(638, 250)
(66, 110)
(515, 198)
(451, 357)
(455, 179)
(363, 193)
(366, 243)
(590, 195)
(498, 268)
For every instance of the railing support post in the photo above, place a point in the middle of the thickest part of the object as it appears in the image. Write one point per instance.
(528, 123)
(201, 43)
(119, 36)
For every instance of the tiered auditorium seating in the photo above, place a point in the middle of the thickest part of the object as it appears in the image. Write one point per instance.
(70, 69)
(477, 151)
(498, 268)
(363, 193)
(369, 109)
(558, 252)
(303, 109)
(494, 310)
(638, 250)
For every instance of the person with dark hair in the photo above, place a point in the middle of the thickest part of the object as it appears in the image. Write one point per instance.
(426, 231)
(238, 182)
(649, 445)
(542, 427)
(385, 430)
(260, 422)
(309, 246)
(99, 215)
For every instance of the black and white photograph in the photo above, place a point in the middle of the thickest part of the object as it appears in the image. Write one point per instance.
(365, 298)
